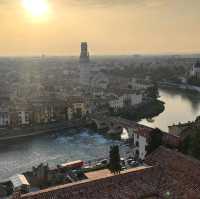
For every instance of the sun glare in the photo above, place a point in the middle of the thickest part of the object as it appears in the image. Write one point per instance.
(36, 8)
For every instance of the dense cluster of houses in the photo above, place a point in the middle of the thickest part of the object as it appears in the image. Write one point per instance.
(37, 89)
(21, 113)
(167, 174)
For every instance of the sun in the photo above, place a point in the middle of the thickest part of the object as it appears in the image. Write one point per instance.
(36, 8)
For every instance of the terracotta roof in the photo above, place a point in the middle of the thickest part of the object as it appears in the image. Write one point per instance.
(75, 99)
(179, 174)
(127, 185)
(172, 175)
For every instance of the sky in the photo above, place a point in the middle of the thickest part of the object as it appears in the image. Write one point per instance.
(109, 27)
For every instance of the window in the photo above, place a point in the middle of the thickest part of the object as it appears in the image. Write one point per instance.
(26, 117)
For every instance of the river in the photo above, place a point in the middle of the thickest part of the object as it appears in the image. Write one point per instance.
(180, 106)
(59, 147)
(20, 155)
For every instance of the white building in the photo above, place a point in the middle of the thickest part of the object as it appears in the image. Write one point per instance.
(195, 72)
(125, 100)
(140, 143)
(23, 118)
(141, 136)
(138, 86)
(76, 107)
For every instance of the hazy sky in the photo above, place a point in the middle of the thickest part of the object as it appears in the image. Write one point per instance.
(109, 26)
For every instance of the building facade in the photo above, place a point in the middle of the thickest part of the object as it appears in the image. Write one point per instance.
(4, 119)
(125, 100)
(76, 108)
(195, 72)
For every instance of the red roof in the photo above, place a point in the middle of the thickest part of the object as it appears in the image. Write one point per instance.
(172, 174)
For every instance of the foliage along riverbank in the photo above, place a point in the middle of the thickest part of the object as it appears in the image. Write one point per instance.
(146, 110)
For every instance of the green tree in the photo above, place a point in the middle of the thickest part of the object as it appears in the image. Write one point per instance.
(114, 164)
(195, 145)
(191, 144)
(152, 92)
(185, 145)
(155, 140)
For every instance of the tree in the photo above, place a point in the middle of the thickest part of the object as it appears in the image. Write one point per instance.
(152, 92)
(185, 144)
(155, 140)
(191, 144)
(114, 164)
(195, 149)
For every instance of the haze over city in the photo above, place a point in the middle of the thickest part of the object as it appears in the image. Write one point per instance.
(99, 99)
(111, 27)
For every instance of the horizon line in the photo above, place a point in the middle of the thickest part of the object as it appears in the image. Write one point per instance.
(101, 54)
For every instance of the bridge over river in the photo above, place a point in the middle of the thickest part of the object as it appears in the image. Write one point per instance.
(115, 125)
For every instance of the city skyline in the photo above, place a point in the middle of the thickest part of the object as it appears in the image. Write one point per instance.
(118, 27)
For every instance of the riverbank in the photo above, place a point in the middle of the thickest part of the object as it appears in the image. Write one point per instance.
(146, 110)
(9, 134)
(20, 155)
(185, 87)
(180, 106)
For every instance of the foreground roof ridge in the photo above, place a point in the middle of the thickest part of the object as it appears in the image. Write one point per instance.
(171, 174)
(175, 152)
(87, 181)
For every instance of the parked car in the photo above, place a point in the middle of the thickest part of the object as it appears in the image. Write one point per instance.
(134, 164)
(129, 160)
(122, 161)
(99, 164)
(104, 162)
(124, 168)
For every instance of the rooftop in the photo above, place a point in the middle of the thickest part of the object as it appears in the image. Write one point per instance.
(171, 174)
(177, 173)
(75, 99)
(105, 173)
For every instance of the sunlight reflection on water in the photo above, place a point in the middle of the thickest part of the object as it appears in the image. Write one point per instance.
(19, 156)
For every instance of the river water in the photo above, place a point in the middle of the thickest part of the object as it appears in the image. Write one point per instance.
(20, 155)
(180, 106)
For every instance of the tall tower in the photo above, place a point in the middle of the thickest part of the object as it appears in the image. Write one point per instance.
(84, 56)
(85, 66)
